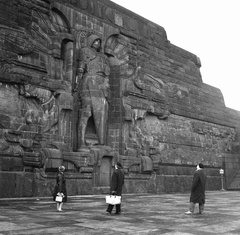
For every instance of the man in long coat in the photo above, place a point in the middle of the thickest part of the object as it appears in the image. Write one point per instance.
(197, 190)
(117, 183)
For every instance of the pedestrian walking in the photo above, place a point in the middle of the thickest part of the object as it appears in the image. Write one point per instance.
(197, 190)
(117, 183)
(60, 191)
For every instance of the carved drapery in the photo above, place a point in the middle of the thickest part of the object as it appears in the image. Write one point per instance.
(92, 83)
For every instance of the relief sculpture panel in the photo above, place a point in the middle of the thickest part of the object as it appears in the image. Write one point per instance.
(86, 83)
(35, 82)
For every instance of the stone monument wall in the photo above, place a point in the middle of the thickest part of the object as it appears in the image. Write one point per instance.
(136, 98)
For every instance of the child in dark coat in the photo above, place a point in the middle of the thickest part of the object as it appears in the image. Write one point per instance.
(60, 188)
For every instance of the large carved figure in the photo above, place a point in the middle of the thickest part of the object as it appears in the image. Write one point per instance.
(93, 83)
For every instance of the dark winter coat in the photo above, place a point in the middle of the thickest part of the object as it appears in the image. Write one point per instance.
(198, 187)
(117, 182)
(60, 186)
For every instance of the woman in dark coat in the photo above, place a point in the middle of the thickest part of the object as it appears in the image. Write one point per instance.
(60, 188)
(117, 183)
(198, 190)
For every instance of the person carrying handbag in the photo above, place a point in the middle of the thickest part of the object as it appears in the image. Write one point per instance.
(60, 191)
(117, 182)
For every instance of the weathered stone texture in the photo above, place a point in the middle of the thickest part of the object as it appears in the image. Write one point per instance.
(136, 98)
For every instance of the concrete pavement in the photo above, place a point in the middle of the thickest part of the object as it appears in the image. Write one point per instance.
(141, 214)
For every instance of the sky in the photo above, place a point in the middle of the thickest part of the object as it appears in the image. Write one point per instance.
(210, 29)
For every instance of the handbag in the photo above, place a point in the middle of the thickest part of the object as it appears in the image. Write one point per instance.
(113, 200)
(59, 198)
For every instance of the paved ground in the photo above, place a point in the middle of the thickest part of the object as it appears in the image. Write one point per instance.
(142, 214)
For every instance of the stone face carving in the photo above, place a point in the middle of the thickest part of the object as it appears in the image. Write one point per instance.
(42, 108)
(151, 91)
(93, 83)
(145, 96)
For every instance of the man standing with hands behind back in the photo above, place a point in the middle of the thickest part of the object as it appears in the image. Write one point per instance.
(117, 182)
(197, 190)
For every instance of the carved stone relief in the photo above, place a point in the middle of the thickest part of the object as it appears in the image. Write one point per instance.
(92, 84)
(85, 84)
(36, 79)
